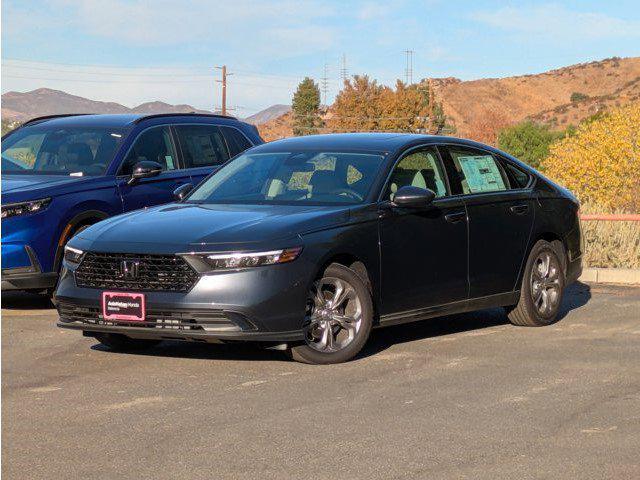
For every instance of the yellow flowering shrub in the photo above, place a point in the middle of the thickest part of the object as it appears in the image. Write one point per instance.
(601, 162)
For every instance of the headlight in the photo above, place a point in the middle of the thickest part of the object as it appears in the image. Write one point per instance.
(73, 255)
(15, 209)
(209, 262)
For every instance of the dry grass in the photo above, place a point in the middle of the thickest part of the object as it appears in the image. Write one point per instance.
(611, 244)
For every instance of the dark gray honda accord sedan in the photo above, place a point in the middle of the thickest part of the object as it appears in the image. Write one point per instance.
(308, 243)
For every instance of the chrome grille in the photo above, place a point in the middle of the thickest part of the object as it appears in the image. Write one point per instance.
(169, 273)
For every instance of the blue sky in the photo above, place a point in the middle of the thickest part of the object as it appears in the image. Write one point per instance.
(136, 51)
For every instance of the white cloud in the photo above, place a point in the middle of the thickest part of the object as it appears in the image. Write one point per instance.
(150, 23)
(559, 22)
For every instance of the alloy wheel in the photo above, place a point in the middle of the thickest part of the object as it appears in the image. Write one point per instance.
(334, 315)
(545, 283)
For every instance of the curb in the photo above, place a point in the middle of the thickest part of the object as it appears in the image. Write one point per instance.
(625, 276)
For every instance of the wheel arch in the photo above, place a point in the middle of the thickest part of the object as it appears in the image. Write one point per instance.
(87, 217)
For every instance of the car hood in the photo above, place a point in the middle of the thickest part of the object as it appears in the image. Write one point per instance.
(31, 187)
(191, 227)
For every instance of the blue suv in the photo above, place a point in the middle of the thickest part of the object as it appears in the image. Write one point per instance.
(61, 174)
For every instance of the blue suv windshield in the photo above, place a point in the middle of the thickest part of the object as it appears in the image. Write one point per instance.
(292, 177)
(48, 150)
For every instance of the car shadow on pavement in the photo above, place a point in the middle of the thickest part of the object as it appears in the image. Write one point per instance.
(205, 351)
(575, 296)
(25, 301)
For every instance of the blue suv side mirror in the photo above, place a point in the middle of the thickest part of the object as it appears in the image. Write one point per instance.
(144, 169)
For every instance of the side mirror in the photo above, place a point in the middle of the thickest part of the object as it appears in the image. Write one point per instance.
(144, 169)
(413, 197)
(182, 191)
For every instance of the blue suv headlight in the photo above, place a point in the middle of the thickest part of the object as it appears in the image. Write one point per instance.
(24, 208)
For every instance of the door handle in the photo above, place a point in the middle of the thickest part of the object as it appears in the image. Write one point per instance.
(455, 217)
(519, 209)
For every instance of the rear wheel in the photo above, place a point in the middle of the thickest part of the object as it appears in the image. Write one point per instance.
(338, 318)
(122, 343)
(542, 287)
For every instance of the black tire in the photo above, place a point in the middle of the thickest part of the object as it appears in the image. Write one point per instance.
(534, 312)
(122, 343)
(307, 354)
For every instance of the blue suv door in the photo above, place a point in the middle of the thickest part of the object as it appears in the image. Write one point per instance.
(154, 144)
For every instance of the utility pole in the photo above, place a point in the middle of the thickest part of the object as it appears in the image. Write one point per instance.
(408, 71)
(343, 70)
(325, 84)
(224, 87)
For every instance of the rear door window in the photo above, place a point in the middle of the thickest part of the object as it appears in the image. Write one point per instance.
(201, 145)
(478, 171)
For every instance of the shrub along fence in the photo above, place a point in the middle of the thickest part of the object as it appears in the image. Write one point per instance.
(611, 240)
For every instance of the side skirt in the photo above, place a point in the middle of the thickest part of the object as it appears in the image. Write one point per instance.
(462, 306)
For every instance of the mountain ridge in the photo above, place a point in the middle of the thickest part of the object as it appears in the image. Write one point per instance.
(22, 106)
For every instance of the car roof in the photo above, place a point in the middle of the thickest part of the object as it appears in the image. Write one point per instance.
(113, 120)
(377, 142)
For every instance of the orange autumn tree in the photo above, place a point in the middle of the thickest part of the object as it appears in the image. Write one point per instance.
(364, 105)
(601, 162)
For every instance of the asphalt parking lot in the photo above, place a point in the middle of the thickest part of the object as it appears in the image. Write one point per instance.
(467, 396)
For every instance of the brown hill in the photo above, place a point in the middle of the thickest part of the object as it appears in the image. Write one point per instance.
(544, 97)
(21, 106)
(604, 83)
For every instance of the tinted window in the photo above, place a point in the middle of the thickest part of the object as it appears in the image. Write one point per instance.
(517, 177)
(43, 149)
(478, 171)
(291, 177)
(154, 145)
(202, 145)
(419, 169)
(236, 141)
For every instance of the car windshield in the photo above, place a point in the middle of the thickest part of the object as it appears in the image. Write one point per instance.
(292, 177)
(48, 150)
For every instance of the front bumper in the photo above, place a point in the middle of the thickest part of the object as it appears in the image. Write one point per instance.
(211, 326)
(255, 304)
(28, 277)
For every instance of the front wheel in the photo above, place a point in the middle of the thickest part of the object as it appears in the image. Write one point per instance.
(542, 288)
(338, 318)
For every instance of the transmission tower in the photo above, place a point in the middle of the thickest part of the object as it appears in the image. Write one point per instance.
(408, 71)
(324, 83)
(343, 71)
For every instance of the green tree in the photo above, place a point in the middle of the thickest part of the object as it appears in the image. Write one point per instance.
(306, 108)
(528, 141)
